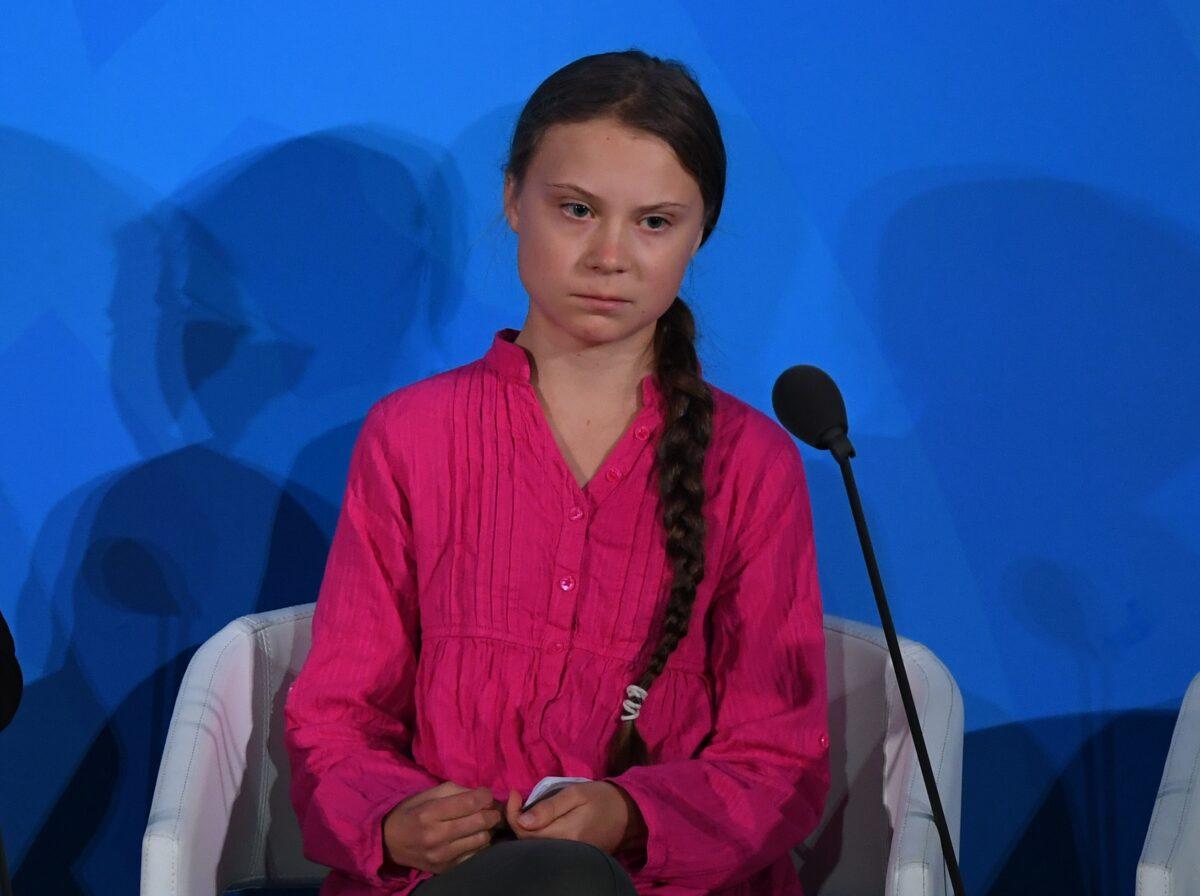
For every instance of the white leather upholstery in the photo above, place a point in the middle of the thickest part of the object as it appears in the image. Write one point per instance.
(1170, 861)
(221, 816)
(878, 833)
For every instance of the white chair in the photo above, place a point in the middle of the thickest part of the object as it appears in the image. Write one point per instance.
(221, 818)
(1170, 861)
(878, 834)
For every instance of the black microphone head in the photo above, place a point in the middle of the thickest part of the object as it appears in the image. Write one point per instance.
(809, 405)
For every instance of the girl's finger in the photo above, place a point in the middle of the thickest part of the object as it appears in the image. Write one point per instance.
(512, 809)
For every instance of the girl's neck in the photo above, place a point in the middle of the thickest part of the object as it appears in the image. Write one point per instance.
(605, 375)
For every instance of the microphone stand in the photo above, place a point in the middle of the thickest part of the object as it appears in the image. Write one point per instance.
(839, 445)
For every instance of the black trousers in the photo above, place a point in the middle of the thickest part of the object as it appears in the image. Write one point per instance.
(533, 867)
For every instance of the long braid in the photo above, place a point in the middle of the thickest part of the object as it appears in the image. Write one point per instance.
(680, 457)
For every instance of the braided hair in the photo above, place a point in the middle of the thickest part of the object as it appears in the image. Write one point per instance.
(663, 98)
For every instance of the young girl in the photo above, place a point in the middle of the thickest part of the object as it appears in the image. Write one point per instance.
(573, 557)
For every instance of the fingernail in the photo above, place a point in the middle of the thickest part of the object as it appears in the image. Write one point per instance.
(525, 818)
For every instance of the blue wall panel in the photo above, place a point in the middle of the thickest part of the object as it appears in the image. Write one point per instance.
(227, 229)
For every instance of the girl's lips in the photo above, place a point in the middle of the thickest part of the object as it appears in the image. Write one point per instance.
(606, 301)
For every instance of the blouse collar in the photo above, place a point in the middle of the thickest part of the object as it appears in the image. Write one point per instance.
(512, 361)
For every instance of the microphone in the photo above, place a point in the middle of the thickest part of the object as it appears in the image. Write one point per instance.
(809, 405)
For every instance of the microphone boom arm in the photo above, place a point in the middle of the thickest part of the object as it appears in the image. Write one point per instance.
(839, 445)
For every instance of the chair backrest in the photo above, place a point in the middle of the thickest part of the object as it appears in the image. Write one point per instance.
(1170, 862)
(876, 782)
(221, 806)
(280, 642)
(242, 674)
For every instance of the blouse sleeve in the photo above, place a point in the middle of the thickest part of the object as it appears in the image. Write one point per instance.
(758, 787)
(349, 714)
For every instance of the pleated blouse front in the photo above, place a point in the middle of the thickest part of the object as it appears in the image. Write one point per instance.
(481, 615)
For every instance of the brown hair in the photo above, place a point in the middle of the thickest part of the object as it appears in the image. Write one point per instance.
(661, 97)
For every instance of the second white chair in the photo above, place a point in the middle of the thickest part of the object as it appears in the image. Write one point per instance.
(1170, 861)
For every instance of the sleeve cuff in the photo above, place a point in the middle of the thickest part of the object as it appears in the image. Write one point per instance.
(656, 856)
(358, 809)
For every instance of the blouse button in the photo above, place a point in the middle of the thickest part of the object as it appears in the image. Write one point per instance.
(824, 740)
(557, 647)
(642, 432)
(566, 583)
(613, 474)
(574, 513)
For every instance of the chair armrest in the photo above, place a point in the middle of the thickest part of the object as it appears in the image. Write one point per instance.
(1170, 862)
(915, 865)
(201, 771)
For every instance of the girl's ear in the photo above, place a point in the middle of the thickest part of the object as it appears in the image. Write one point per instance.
(510, 203)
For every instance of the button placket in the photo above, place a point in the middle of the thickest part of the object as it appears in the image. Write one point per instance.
(566, 580)
(564, 586)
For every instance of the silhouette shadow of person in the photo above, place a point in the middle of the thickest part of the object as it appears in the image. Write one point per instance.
(261, 303)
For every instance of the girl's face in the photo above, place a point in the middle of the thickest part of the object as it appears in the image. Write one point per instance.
(604, 210)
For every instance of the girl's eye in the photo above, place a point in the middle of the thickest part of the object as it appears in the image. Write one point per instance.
(577, 205)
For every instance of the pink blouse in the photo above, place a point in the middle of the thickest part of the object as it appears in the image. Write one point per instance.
(481, 615)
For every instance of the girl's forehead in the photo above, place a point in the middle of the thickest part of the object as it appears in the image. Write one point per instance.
(604, 132)
(581, 151)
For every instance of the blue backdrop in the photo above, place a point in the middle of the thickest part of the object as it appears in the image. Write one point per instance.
(227, 229)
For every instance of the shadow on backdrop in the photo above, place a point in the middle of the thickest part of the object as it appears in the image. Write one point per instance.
(1087, 828)
(283, 284)
(1045, 334)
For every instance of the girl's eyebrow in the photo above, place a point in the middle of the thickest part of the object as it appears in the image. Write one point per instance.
(596, 199)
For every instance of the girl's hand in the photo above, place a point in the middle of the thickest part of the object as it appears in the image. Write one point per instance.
(438, 828)
(595, 812)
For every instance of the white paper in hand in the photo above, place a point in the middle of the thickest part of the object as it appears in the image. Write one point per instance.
(547, 786)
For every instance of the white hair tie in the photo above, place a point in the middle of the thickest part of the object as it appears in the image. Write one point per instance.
(633, 706)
